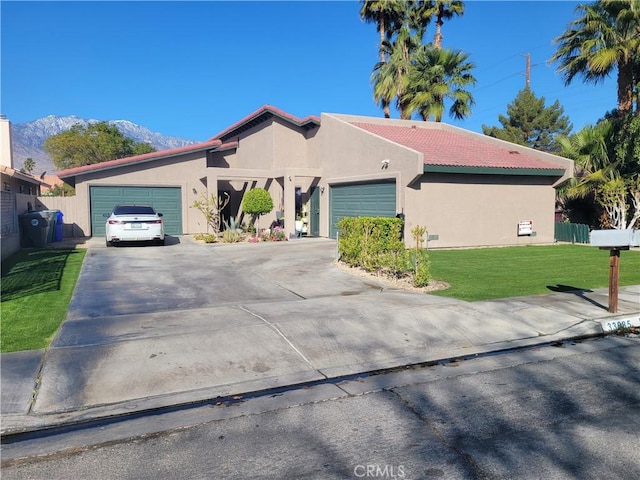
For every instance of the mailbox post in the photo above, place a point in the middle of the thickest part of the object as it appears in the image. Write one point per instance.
(614, 241)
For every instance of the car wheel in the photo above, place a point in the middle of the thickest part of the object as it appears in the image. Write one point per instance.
(108, 243)
(160, 242)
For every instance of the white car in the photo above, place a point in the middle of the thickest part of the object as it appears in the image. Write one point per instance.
(133, 223)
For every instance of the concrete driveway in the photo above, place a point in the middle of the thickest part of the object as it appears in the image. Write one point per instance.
(156, 326)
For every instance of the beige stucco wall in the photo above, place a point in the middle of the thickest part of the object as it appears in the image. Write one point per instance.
(348, 154)
(463, 210)
(272, 155)
(185, 173)
(481, 210)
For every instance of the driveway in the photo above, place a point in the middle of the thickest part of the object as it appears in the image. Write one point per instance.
(152, 326)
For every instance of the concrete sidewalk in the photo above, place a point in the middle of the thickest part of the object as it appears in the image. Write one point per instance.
(200, 322)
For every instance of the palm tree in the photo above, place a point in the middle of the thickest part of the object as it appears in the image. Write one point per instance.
(388, 16)
(589, 149)
(604, 38)
(391, 79)
(439, 75)
(444, 10)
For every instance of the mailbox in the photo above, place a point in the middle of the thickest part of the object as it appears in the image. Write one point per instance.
(614, 241)
(615, 238)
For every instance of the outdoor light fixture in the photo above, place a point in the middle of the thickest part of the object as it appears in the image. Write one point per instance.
(385, 163)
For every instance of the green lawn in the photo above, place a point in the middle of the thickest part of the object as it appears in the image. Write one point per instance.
(36, 289)
(485, 273)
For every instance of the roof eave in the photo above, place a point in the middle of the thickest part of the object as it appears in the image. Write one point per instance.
(121, 162)
(262, 115)
(470, 170)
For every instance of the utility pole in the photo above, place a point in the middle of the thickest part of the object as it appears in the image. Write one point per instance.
(527, 72)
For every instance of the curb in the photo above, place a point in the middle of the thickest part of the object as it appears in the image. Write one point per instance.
(101, 415)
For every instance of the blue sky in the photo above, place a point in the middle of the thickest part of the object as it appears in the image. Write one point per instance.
(191, 69)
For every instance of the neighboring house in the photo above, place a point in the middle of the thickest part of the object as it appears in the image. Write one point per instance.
(50, 181)
(18, 193)
(17, 182)
(466, 188)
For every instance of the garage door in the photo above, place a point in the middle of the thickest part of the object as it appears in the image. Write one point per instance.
(361, 200)
(166, 200)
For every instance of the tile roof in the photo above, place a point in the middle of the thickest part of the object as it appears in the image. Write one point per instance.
(12, 172)
(262, 114)
(211, 144)
(444, 147)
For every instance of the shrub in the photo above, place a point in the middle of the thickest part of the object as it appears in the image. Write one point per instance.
(211, 207)
(206, 237)
(376, 245)
(373, 243)
(232, 232)
(257, 201)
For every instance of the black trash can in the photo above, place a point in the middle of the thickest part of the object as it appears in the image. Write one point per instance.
(34, 230)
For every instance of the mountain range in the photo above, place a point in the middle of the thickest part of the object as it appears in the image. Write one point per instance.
(28, 138)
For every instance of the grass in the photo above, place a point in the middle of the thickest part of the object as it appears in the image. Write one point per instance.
(486, 273)
(36, 289)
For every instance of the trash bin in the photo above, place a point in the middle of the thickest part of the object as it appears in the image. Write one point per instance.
(52, 217)
(58, 237)
(34, 230)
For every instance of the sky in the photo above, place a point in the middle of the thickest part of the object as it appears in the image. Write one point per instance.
(191, 69)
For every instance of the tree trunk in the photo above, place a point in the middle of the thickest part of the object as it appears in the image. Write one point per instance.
(383, 59)
(625, 87)
(437, 39)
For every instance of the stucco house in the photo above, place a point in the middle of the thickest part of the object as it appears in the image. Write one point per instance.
(466, 188)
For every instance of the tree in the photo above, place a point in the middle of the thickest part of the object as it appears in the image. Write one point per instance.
(438, 75)
(95, 143)
(530, 123)
(62, 190)
(211, 207)
(257, 202)
(413, 74)
(444, 10)
(28, 165)
(606, 171)
(386, 14)
(605, 37)
(391, 78)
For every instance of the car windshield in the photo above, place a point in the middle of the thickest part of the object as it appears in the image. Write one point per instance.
(133, 210)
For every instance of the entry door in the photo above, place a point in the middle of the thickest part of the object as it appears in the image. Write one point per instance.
(314, 213)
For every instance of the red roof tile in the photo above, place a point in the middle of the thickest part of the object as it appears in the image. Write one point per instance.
(267, 111)
(448, 148)
(138, 158)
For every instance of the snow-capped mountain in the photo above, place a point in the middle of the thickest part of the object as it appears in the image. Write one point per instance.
(28, 138)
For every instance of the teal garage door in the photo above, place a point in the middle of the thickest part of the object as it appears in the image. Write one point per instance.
(361, 200)
(166, 200)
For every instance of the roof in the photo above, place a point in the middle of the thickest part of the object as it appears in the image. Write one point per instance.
(221, 142)
(138, 159)
(263, 114)
(12, 172)
(444, 147)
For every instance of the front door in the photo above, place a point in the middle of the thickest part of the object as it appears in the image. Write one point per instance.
(314, 212)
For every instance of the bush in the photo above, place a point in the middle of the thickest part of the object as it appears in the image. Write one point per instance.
(206, 237)
(373, 243)
(257, 201)
(376, 245)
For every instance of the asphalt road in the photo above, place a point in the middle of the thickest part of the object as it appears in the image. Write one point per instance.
(563, 412)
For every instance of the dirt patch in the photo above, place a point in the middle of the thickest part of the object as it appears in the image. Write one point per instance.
(404, 283)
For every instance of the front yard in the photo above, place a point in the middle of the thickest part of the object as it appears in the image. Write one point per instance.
(36, 289)
(486, 273)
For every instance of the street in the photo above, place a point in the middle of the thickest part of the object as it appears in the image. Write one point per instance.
(563, 411)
